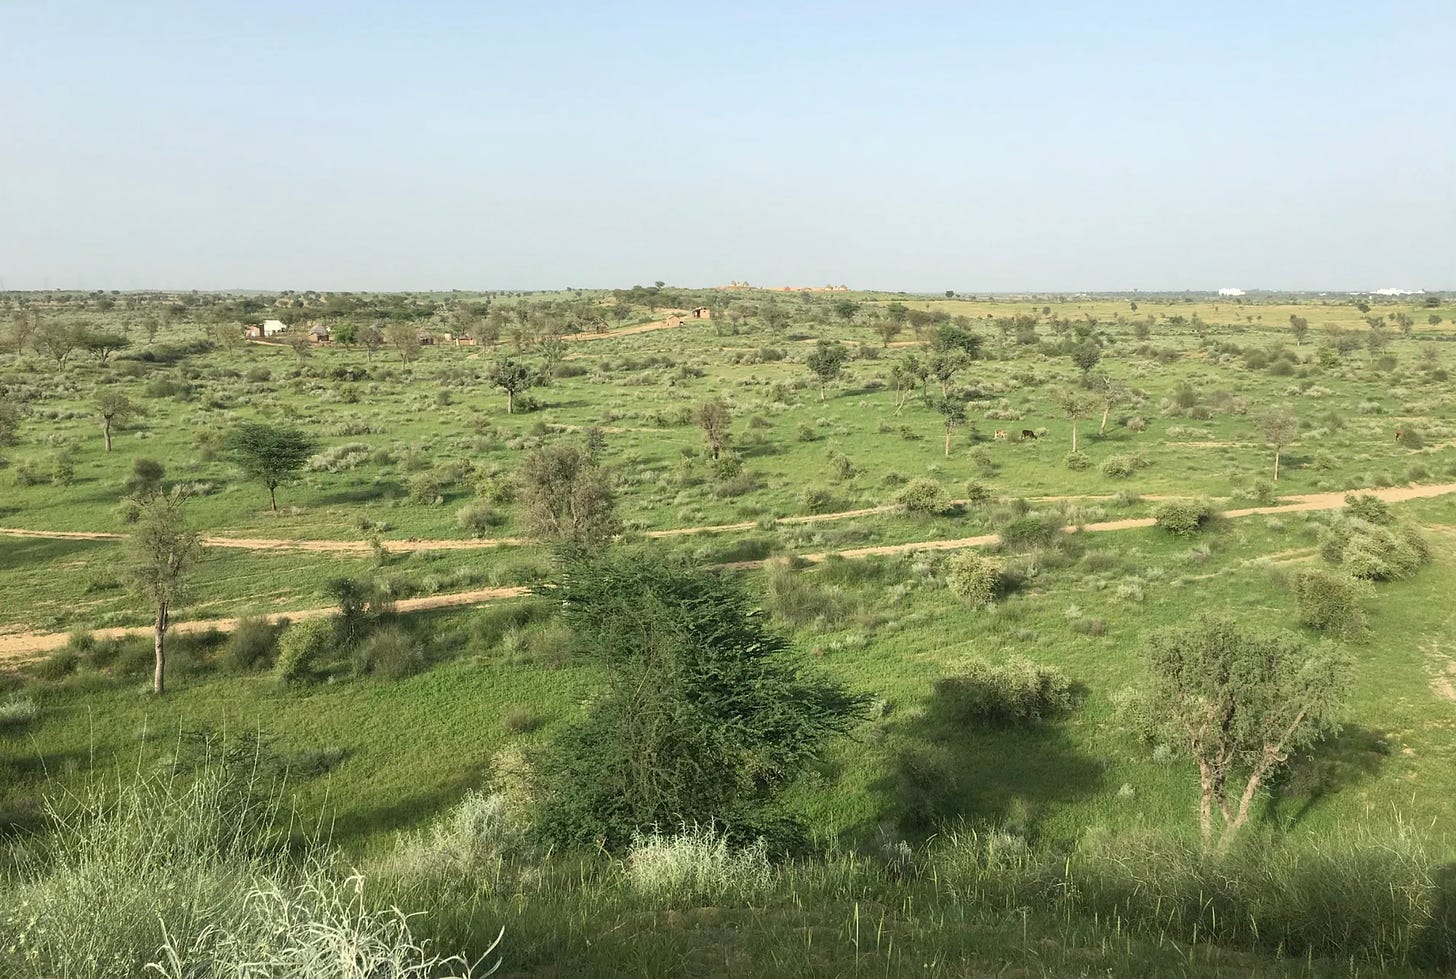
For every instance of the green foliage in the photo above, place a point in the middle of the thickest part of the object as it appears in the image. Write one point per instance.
(924, 495)
(389, 652)
(568, 496)
(974, 578)
(1371, 509)
(1016, 692)
(1123, 466)
(697, 864)
(251, 644)
(1330, 602)
(1182, 518)
(270, 454)
(1077, 461)
(1241, 702)
(1372, 551)
(305, 645)
(704, 716)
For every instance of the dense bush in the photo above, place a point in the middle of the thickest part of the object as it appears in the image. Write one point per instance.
(1372, 551)
(389, 652)
(303, 647)
(1182, 518)
(251, 643)
(974, 578)
(478, 518)
(1123, 466)
(924, 495)
(1016, 692)
(1331, 602)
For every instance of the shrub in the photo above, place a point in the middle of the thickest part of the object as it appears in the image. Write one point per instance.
(251, 644)
(389, 652)
(470, 841)
(1077, 461)
(817, 500)
(798, 598)
(146, 477)
(303, 646)
(696, 864)
(977, 493)
(924, 495)
(1123, 466)
(478, 517)
(1182, 518)
(1032, 530)
(974, 578)
(1374, 552)
(1017, 692)
(17, 710)
(1330, 602)
(1371, 509)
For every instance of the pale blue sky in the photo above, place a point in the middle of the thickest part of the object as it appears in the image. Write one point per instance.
(912, 145)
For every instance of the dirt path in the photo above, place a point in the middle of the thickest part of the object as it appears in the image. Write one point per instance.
(20, 646)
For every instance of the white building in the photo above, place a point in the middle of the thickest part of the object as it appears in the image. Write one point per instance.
(271, 327)
(1231, 292)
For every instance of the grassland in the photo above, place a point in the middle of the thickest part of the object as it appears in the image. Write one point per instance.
(378, 756)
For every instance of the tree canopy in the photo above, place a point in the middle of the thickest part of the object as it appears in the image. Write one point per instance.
(270, 454)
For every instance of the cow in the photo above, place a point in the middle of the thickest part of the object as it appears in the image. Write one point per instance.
(1027, 433)
(1000, 434)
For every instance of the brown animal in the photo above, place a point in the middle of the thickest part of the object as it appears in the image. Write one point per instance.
(1000, 434)
(1399, 436)
(1027, 433)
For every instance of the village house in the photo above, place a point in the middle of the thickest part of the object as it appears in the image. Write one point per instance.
(266, 329)
(320, 334)
(702, 313)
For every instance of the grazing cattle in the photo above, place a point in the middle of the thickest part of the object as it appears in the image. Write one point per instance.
(1399, 436)
(1027, 433)
(1000, 434)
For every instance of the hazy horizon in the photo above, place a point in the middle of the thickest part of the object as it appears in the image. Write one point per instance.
(917, 147)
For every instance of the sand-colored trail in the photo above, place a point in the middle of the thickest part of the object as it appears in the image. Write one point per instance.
(25, 645)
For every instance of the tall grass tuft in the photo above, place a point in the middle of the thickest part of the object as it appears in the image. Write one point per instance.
(697, 863)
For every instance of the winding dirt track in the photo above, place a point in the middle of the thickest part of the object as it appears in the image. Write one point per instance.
(21, 646)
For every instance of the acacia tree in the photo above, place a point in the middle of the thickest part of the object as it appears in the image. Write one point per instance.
(513, 377)
(716, 420)
(270, 454)
(370, 337)
(102, 343)
(826, 362)
(160, 554)
(405, 339)
(1111, 392)
(944, 365)
(57, 340)
(903, 383)
(1086, 355)
(115, 409)
(1074, 405)
(568, 496)
(10, 417)
(845, 309)
(1241, 702)
(24, 325)
(1279, 427)
(888, 328)
(1298, 327)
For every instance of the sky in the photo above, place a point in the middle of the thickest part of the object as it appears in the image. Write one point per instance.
(918, 146)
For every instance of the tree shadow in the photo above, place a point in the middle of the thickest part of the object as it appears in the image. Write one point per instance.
(1355, 754)
(18, 552)
(945, 767)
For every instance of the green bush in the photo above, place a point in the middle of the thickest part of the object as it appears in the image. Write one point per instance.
(818, 500)
(924, 495)
(1331, 602)
(389, 652)
(1016, 692)
(1123, 466)
(303, 647)
(251, 644)
(1374, 552)
(974, 578)
(478, 517)
(1371, 509)
(1182, 518)
(1077, 461)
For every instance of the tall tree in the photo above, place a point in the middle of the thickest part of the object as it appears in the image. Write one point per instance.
(1242, 702)
(160, 555)
(370, 337)
(57, 339)
(24, 325)
(715, 418)
(845, 309)
(953, 413)
(404, 337)
(270, 454)
(1279, 427)
(513, 377)
(826, 362)
(888, 328)
(115, 409)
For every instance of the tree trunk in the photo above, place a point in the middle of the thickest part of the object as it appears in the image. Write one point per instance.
(1276, 464)
(947, 441)
(273, 496)
(106, 432)
(1074, 435)
(1102, 429)
(821, 390)
(1205, 801)
(159, 645)
(510, 402)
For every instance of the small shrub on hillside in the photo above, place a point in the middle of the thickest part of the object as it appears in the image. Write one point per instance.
(17, 710)
(1371, 509)
(478, 518)
(974, 578)
(1374, 552)
(251, 644)
(817, 500)
(389, 652)
(1077, 461)
(146, 478)
(478, 838)
(303, 647)
(696, 864)
(1032, 530)
(1182, 518)
(1330, 602)
(1017, 692)
(977, 493)
(1123, 466)
(924, 495)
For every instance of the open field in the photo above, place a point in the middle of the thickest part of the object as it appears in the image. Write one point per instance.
(415, 487)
